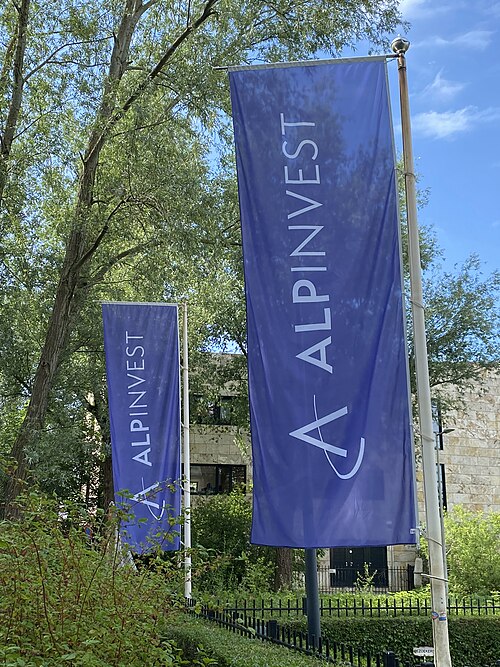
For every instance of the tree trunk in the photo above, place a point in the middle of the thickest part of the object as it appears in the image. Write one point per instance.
(77, 253)
(9, 131)
(98, 407)
(283, 569)
(105, 495)
(78, 250)
(55, 343)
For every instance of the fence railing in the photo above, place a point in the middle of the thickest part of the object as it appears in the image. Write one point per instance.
(272, 631)
(381, 580)
(330, 651)
(340, 607)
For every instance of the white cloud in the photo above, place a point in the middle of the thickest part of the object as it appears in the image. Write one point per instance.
(442, 89)
(493, 10)
(411, 7)
(445, 125)
(419, 9)
(477, 40)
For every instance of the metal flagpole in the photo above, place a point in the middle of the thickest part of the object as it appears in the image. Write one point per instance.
(312, 597)
(436, 564)
(186, 458)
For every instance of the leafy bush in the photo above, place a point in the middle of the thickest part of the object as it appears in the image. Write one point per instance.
(68, 597)
(231, 650)
(473, 550)
(473, 639)
(223, 558)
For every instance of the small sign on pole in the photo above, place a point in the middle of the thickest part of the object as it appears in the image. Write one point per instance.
(424, 651)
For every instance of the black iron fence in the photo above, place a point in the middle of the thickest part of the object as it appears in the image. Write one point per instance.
(272, 631)
(381, 580)
(331, 651)
(340, 607)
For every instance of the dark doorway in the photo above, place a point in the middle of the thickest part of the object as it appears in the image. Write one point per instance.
(348, 565)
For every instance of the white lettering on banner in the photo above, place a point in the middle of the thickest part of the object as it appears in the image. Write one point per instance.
(310, 253)
(142, 497)
(321, 362)
(140, 436)
(301, 433)
(318, 326)
(312, 204)
(292, 156)
(300, 146)
(310, 296)
(304, 290)
(142, 457)
(301, 178)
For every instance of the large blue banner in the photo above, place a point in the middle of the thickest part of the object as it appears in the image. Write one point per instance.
(141, 343)
(328, 373)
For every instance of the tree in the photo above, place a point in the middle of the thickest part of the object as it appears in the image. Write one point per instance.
(221, 529)
(472, 551)
(59, 176)
(462, 323)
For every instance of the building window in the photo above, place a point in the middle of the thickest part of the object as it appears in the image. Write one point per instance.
(206, 411)
(210, 479)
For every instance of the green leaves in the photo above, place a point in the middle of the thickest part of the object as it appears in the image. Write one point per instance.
(223, 557)
(70, 601)
(473, 550)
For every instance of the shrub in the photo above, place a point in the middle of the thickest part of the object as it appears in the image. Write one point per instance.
(473, 639)
(223, 558)
(231, 650)
(68, 598)
(473, 550)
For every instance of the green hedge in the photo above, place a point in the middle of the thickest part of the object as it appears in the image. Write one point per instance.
(231, 650)
(473, 640)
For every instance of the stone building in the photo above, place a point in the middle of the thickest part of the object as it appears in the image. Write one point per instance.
(467, 456)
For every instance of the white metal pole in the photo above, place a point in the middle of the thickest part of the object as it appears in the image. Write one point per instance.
(186, 459)
(436, 564)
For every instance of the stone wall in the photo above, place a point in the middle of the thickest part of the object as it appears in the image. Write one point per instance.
(470, 454)
(218, 445)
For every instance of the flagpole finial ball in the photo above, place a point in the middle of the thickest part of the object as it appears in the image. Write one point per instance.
(400, 45)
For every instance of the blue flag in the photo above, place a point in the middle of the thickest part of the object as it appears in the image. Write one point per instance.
(328, 372)
(141, 343)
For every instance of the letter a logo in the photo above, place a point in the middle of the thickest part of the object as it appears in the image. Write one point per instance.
(301, 433)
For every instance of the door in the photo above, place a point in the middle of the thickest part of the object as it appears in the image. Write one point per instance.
(349, 564)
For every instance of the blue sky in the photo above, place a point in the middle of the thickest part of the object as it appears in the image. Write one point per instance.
(454, 81)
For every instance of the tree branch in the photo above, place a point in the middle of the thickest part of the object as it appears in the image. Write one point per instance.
(48, 59)
(147, 5)
(130, 252)
(35, 121)
(93, 248)
(155, 72)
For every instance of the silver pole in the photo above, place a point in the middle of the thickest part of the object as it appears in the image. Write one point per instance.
(436, 564)
(186, 459)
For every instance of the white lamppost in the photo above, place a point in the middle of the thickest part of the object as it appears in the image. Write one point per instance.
(436, 565)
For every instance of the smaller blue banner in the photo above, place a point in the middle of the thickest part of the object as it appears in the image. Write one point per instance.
(141, 343)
